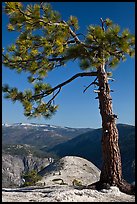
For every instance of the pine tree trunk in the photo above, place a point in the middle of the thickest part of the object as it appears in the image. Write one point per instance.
(112, 169)
(111, 172)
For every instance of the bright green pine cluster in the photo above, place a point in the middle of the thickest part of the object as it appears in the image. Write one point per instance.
(34, 52)
(46, 42)
(33, 107)
(108, 45)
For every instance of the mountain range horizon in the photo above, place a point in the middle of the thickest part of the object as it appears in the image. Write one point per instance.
(53, 125)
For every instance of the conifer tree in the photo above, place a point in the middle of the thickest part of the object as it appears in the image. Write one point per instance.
(46, 42)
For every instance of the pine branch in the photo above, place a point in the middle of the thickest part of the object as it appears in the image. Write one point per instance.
(102, 23)
(49, 102)
(94, 82)
(35, 58)
(72, 33)
(59, 86)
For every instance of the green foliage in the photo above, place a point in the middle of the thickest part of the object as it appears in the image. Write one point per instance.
(85, 63)
(73, 21)
(108, 22)
(28, 101)
(10, 27)
(76, 51)
(109, 44)
(45, 42)
(31, 177)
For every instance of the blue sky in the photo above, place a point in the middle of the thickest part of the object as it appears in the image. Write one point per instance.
(78, 109)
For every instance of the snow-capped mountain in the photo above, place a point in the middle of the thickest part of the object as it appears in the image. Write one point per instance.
(43, 135)
(41, 125)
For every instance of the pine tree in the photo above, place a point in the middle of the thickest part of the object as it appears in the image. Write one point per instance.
(45, 42)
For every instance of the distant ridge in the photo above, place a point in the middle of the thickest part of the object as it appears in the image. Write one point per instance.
(38, 135)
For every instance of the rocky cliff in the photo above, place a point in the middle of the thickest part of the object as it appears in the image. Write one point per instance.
(14, 166)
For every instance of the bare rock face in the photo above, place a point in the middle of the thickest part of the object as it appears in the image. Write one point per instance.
(69, 169)
(14, 166)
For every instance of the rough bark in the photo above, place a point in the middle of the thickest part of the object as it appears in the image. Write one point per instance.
(111, 172)
(112, 169)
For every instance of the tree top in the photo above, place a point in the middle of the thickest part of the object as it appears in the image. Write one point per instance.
(45, 42)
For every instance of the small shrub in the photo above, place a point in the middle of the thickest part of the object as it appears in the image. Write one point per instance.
(31, 177)
(76, 182)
